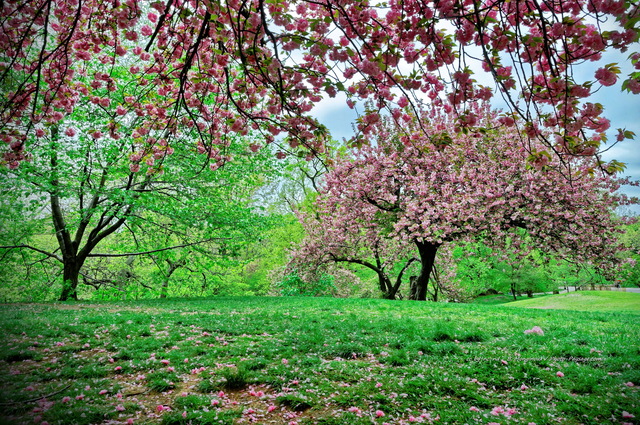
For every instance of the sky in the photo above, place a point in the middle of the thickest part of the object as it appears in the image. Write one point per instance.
(621, 108)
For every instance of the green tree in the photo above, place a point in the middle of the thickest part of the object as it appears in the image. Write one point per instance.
(89, 192)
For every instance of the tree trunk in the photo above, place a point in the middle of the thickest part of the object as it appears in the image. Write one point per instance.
(427, 253)
(70, 275)
(388, 290)
(436, 287)
(173, 266)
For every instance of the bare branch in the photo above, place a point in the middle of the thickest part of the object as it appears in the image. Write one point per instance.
(156, 250)
(33, 248)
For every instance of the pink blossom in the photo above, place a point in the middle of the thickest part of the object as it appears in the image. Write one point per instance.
(103, 392)
(80, 397)
(606, 77)
(627, 415)
(285, 361)
(66, 399)
(271, 408)
(498, 410)
(120, 408)
(629, 384)
(474, 409)
(165, 362)
(559, 374)
(379, 413)
(633, 85)
(535, 330)
(130, 421)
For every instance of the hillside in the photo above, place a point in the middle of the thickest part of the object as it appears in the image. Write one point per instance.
(597, 301)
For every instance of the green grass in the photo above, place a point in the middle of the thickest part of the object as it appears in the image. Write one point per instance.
(315, 361)
(497, 299)
(597, 301)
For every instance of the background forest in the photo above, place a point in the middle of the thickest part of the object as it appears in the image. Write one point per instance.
(196, 232)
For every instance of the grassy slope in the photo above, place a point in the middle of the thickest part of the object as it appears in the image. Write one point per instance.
(601, 301)
(316, 361)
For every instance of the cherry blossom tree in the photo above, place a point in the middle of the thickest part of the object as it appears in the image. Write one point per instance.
(198, 71)
(327, 243)
(413, 191)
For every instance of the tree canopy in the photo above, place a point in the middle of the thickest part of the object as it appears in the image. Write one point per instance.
(411, 191)
(163, 72)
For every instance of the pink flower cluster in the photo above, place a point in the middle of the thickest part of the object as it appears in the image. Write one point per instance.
(535, 330)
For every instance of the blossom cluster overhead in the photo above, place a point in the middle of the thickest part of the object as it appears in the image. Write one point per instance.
(163, 72)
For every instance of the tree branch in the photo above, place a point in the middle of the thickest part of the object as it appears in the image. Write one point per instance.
(41, 251)
(155, 250)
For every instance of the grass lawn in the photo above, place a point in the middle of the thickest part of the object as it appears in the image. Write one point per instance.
(604, 301)
(315, 361)
(497, 299)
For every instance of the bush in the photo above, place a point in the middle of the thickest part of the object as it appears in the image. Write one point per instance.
(293, 285)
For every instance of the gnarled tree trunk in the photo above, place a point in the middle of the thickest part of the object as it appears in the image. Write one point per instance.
(427, 253)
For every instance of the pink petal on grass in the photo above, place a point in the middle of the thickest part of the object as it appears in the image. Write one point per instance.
(559, 374)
